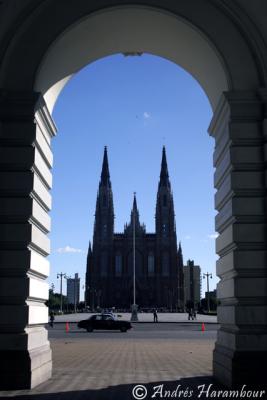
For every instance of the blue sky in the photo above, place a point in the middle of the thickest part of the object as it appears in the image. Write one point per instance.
(134, 106)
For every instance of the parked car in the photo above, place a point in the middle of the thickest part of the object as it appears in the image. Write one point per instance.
(104, 321)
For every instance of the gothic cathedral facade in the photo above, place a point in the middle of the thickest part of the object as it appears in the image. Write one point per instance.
(158, 262)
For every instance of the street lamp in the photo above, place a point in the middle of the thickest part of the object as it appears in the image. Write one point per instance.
(67, 278)
(74, 291)
(208, 275)
(61, 275)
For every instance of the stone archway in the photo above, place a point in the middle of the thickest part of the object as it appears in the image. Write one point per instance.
(42, 44)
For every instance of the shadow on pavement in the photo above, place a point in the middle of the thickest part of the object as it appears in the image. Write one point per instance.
(201, 387)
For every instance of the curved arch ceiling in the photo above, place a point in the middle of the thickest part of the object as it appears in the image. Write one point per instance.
(131, 31)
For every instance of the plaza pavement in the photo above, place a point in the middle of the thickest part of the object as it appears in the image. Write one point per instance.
(142, 317)
(95, 367)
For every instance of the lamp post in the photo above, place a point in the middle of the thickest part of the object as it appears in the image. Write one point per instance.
(61, 275)
(74, 291)
(134, 316)
(67, 279)
(208, 275)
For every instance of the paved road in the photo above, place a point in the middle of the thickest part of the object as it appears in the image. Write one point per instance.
(168, 331)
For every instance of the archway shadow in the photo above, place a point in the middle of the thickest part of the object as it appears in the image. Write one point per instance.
(200, 387)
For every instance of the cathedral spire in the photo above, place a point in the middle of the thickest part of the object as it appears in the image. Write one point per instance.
(135, 212)
(164, 175)
(135, 204)
(180, 253)
(165, 218)
(104, 214)
(139, 229)
(105, 178)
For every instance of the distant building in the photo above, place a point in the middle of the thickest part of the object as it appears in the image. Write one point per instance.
(212, 294)
(73, 290)
(158, 261)
(211, 300)
(192, 283)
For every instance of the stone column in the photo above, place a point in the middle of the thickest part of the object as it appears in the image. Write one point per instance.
(26, 129)
(240, 354)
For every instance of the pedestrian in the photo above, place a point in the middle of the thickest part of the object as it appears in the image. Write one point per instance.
(190, 314)
(194, 314)
(52, 317)
(155, 314)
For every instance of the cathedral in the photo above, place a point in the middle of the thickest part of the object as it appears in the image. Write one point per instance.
(158, 262)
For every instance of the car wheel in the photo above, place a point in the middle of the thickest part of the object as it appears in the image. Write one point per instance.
(123, 329)
(89, 329)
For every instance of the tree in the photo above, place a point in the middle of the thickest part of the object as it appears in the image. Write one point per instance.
(53, 303)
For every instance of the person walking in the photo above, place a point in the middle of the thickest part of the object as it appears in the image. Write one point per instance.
(52, 318)
(155, 314)
(190, 314)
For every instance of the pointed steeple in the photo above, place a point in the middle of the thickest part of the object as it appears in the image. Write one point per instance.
(105, 178)
(180, 256)
(164, 175)
(135, 212)
(180, 252)
(139, 228)
(165, 218)
(104, 214)
(135, 204)
(89, 254)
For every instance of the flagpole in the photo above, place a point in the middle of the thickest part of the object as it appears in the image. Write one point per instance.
(134, 256)
(134, 316)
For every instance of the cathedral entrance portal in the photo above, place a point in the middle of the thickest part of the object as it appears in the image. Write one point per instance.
(43, 43)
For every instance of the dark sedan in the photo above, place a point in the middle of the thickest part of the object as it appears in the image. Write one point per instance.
(104, 321)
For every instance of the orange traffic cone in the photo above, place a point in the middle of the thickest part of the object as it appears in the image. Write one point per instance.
(67, 327)
(203, 327)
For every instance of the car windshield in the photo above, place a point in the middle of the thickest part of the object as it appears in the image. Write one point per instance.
(98, 317)
(95, 317)
(108, 317)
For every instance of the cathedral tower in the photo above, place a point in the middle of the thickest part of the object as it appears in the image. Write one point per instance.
(100, 258)
(165, 218)
(167, 254)
(104, 213)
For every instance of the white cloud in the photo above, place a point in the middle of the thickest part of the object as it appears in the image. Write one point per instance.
(213, 235)
(187, 237)
(146, 115)
(68, 249)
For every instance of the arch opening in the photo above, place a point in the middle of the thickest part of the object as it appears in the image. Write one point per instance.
(216, 48)
(131, 31)
(94, 298)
